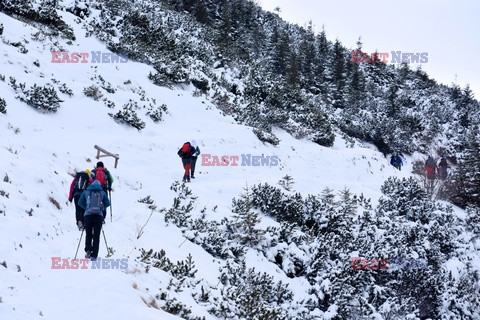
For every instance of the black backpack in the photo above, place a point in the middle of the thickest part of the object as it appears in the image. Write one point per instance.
(82, 181)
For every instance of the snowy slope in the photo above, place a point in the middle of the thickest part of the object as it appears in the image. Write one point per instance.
(39, 153)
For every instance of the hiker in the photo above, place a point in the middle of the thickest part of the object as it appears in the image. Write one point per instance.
(442, 168)
(1, 29)
(430, 167)
(94, 200)
(103, 176)
(396, 161)
(186, 152)
(195, 154)
(81, 181)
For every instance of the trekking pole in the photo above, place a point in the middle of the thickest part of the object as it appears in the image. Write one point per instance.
(79, 244)
(110, 195)
(108, 249)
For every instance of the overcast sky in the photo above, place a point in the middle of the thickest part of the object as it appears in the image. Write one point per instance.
(448, 30)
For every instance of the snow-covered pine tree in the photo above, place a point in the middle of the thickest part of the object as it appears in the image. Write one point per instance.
(179, 213)
(246, 220)
(287, 182)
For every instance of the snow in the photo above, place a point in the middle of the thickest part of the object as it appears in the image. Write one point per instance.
(40, 156)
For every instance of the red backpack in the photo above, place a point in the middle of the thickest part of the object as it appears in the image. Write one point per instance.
(186, 149)
(100, 175)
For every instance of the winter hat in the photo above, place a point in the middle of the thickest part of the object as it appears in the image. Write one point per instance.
(194, 143)
(88, 172)
(96, 182)
(99, 164)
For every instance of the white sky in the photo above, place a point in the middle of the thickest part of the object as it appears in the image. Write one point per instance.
(448, 30)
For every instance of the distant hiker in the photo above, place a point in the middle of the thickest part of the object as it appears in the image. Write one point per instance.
(396, 161)
(442, 168)
(1, 29)
(195, 154)
(430, 167)
(81, 181)
(94, 200)
(186, 152)
(103, 176)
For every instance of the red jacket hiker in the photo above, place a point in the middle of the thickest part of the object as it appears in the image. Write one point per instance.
(186, 152)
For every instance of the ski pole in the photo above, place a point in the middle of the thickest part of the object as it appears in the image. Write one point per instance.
(110, 194)
(108, 250)
(79, 244)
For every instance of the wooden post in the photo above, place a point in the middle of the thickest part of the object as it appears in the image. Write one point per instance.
(106, 154)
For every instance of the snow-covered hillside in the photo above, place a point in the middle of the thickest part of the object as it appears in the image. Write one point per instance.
(40, 152)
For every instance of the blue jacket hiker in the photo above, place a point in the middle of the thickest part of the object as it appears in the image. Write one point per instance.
(94, 200)
(396, 161)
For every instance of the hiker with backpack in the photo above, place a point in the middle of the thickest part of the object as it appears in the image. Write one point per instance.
(430, 167)
(195, 154)
(186, 152)
(396, 161)
(443, 168)
(103, 176)
(94, 200)
(79, 184)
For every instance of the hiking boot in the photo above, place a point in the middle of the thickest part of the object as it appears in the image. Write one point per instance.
(188, 180)
(88, 254)
(193, 177)
(93, 258)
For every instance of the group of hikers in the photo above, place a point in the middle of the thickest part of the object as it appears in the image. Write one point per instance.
(89, 191)
(189, 153)
(431, 166)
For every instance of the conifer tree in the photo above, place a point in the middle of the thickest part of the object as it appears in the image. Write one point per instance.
(247, 220)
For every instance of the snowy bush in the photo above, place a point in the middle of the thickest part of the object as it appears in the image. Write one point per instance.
(248, 294)
(128, 116)
(156, 114)
(80, 9)
(246, 220)
(201, 84)
(179, 213)
(222, 102)
(44, 14)
(66, 90)
(267, 137)
(406, 198)
(93, 92)
(3, 106)
(109, 103)
(286, 182)
(42, 98)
